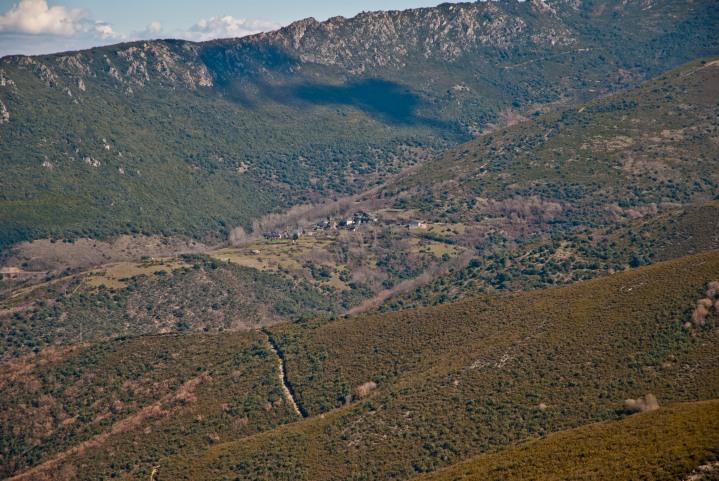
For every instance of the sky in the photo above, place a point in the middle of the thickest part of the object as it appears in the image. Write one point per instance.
(45, 26)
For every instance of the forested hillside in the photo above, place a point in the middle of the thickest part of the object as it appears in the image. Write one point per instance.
(117, 139)
(627, 179)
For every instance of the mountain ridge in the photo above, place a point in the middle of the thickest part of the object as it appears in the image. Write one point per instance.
(312, 110)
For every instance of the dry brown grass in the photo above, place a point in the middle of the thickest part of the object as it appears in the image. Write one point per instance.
(113, 275)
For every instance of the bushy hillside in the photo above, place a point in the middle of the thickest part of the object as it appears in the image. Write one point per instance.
(430, 387)
(118, 139)
(663, 445)
(694, 230)
(569, 255)
(613, 158)
(97, 411)
(622, 181)
(418, 308)
(387, 396)
(195, 293)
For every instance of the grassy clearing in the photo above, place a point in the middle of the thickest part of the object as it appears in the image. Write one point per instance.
(272, 256)
(116, 276)
(437, 249)
(288, 257)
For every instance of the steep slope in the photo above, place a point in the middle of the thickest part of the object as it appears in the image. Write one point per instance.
(572, 194)
(662, 445)
(116, 139)
(614, 157)
(594, 189)
(458, 380)
(124, 404)
(387, 396)
(694, 230)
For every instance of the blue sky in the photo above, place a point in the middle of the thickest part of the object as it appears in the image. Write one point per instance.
(45, 26)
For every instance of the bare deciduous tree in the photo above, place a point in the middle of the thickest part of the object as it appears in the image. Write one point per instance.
(641, 405)
(363, 390)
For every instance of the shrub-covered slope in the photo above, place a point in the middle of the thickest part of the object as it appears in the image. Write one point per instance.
(120, 138)
(564, 256)
(98, 411)
(662, 445)
(199, 294)
(624, 180)
(458, 380)
(387, 396)
(618, 157)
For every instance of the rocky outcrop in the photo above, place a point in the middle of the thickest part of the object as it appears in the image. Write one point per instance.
(4, 80)
(171, 63)
(368, 41)
(4, 114)
(162, 62)
(75, 64)
(445, 33)
(45, 73)
(485, 33)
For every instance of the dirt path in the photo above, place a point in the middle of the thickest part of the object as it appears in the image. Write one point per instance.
(282, 376)
(459, 262)
(154, 410)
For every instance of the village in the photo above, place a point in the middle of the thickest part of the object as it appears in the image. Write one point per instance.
(332, 224)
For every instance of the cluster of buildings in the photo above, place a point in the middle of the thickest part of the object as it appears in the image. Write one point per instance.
(331, 224)
(285, 234)
(346, 223)
(351, 223)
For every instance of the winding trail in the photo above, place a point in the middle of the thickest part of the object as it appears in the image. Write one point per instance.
(282, 375)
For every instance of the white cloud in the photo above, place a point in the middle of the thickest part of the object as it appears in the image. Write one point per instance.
(226, 27)
(154, 27)
(207, 29)
(33, 27)
(105, 31)
(153, 30)
(35, 17)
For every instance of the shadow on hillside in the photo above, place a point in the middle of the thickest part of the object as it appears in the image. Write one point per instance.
(386, 101)
(377, 97)
(250, 74)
